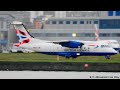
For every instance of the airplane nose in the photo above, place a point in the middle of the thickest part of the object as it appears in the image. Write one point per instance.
(115, 52)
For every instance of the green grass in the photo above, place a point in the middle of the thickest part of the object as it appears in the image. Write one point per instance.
(35, 57)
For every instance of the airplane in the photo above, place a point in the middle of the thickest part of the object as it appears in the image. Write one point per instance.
(65, 48)
(112, 43)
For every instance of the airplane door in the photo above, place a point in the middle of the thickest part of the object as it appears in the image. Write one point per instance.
(95, 48)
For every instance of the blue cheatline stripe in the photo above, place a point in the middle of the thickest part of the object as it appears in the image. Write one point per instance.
(81, 53)
(23, 37)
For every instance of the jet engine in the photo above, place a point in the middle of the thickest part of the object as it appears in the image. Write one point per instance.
(72, 44)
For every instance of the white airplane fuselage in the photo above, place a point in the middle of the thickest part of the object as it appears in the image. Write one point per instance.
(89, 49)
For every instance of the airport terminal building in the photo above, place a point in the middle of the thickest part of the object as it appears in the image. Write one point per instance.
(79, 25)
(67, 25)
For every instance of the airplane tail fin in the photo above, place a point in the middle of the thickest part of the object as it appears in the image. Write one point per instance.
(21, 32)
(96, 33)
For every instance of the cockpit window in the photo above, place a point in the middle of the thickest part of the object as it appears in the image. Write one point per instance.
(115, 42)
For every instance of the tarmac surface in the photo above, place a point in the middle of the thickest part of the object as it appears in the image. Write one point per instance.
(57, 75)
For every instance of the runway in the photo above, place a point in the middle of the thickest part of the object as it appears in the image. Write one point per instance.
(57, 75)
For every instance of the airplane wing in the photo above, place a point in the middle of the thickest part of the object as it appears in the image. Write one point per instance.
(69, 43)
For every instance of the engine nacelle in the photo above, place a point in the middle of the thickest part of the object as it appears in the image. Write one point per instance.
(72, 44)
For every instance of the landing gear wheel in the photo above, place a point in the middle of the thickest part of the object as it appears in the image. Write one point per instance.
(107, 57)
(67, 57)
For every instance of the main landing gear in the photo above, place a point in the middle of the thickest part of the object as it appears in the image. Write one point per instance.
(107, 57)
(69, 57)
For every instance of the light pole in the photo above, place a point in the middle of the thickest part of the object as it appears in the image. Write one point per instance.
(44, 19)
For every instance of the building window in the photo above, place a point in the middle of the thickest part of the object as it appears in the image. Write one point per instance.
(64, 35)
(110, 13)
(90, 22)
(81, 22)
(53, 22)
(2, 24)
(47, 22)
(87, 22)
(8, 26)
(74, 22)
(51, 13)
(108, 34)
(103, 35)
(85, 35)
(117, 13)
(115, 34)
(50, 35)
(67, 22)
(109, 24)
(82, 34)
(38, 34)
(95, 22)
(88, 34)
(60, 22)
